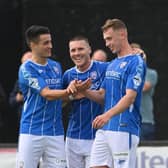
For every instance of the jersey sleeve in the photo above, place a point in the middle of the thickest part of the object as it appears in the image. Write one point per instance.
(136, 77)
(28, 77)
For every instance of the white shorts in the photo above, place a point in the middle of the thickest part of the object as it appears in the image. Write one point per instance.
(78, 152)
(114, 149)
(50, 148)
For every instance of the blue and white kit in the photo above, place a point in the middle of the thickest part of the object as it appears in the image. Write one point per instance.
(41, 128)
(116, 142)
(40, 116)
(84, 110)
(123, 73)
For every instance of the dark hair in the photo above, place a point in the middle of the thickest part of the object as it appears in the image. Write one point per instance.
(33, 32)
(78, 38)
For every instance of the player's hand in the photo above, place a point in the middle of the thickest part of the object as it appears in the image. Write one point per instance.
(19, 97)
(100, 120)
(137, 51)
(78, 95)
(83, 85)
(71, 89)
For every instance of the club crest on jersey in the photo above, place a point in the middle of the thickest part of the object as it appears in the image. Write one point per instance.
(56, 69)
(40, 70)
(123, 64)
(93, 75)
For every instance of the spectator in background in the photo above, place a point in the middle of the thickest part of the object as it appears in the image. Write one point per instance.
(16, 97)
(99, 55)
(147, 105)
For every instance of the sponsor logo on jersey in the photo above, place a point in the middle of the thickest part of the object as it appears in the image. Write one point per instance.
(113, 74)
(123, 64)
(53, 81)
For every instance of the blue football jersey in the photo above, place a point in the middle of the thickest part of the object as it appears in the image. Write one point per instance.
(84, 110)
(40, 116)
(123, 73)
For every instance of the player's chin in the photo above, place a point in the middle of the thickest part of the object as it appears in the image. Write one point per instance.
(78, 64)
(48, 54)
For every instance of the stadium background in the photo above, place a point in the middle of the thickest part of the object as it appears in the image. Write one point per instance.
(147, 22)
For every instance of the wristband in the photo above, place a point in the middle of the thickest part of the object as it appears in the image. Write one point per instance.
(71, 97)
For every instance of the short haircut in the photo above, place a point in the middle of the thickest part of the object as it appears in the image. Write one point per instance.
(33, 32)
(78, 38)
(115, 24)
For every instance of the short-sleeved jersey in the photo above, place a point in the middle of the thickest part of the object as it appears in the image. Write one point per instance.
(123, 73)
(84, 110)
(147, 97)
(39, 115)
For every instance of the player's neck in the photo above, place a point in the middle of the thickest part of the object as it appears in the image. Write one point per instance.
(125, 50)
(39, 60)
(84, 67)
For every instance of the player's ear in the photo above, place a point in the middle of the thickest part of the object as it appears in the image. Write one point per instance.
(90, 50)
(123, 33)
(31, 45)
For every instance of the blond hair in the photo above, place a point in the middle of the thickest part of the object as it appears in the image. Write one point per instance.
(116, 24)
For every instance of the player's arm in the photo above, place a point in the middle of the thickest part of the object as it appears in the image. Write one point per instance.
(150, 80)
(52, 94)
(95, 95)
(80, 87)
(124, 103)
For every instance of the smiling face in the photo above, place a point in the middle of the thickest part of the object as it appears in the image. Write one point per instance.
(80, 54)
(113, 39)
(43, 46)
